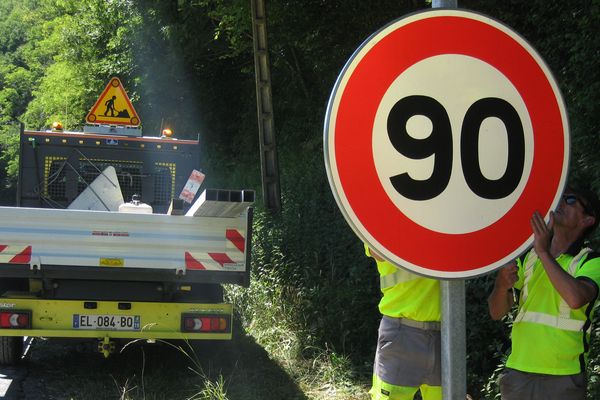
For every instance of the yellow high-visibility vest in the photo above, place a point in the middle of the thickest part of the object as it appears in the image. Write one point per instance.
(407, 295)
(548, 337)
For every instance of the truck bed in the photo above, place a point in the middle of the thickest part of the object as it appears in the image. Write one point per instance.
(54, 243)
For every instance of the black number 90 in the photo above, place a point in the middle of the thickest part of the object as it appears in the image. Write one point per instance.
(439, 144)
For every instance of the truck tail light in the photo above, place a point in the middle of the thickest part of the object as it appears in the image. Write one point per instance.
(205, 323)
(11, 319)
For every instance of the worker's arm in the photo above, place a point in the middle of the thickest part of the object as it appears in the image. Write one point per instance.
(501, 300)
(576, 292)
(372, 253)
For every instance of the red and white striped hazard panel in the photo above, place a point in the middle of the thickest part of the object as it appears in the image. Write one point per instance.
(15, 254)
(232, 260)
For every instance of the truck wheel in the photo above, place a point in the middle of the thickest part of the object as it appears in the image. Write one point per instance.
(11, 349)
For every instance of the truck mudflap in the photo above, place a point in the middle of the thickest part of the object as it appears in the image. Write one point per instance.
(115, 319)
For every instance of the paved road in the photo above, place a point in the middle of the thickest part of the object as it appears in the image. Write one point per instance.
(11, 379)
(26, 380)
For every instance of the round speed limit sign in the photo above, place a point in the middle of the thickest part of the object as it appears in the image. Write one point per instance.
(444, 133)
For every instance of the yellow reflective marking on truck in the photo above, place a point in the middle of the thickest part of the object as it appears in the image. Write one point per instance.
(158, 320)
(112, 262)
(49, 162)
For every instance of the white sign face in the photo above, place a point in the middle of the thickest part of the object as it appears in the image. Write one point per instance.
(444, 133)
(440, 78)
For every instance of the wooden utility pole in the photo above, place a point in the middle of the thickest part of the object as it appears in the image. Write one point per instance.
(264, 103)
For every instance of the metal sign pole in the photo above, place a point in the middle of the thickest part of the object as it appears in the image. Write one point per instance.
(454, 354)
(444, 4)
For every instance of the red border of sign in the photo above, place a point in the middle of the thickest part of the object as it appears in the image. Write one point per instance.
(374, 72)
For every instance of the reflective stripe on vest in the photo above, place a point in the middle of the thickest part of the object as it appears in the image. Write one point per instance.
(400, 276)
(561, 321)
(554, 321)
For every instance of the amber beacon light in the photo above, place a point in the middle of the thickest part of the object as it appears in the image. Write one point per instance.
(57, 126)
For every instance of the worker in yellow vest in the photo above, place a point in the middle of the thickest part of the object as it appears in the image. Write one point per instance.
(558, 284)
(408, 347)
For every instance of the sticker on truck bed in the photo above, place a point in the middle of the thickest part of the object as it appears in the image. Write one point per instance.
(112, 262)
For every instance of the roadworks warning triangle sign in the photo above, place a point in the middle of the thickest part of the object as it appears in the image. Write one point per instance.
(113, 107)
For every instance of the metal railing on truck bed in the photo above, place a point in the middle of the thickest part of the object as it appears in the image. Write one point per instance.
(101, 245)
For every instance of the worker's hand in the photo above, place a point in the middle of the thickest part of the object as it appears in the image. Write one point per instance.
(507, 276)
(542, 233)
(376, 256)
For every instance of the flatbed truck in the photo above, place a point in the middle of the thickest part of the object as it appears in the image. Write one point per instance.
(107, 275)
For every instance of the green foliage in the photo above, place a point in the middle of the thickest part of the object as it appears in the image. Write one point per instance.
(487, 340)
(593, 369)
(58, 98)
(310, 267)
(91, 40)
(9, 158)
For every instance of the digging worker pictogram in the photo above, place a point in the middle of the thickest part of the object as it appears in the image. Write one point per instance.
(110, 106)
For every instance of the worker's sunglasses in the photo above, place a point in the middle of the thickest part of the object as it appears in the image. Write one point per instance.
(571, 199)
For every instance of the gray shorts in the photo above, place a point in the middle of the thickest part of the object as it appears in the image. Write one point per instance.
(518, 385)
(407, 356)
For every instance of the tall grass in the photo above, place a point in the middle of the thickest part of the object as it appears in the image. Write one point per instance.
(206, 389)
